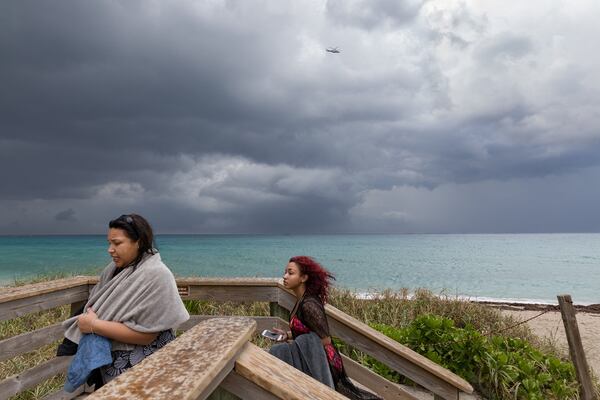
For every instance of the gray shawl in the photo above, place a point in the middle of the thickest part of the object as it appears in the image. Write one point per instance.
(144, 297)
(307, 354)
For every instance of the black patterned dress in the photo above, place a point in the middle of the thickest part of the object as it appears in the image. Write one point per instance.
(309, 316)
(125, 359)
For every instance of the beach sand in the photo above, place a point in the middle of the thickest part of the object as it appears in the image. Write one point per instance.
(550, 325)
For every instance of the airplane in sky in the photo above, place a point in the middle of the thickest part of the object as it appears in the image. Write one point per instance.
(333, 50)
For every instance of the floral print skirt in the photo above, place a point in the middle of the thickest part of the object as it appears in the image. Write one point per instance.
(125, 359)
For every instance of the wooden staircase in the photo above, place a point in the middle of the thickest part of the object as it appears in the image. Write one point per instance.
(214, 358)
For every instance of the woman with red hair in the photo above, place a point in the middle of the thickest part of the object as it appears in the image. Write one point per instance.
(311, 349)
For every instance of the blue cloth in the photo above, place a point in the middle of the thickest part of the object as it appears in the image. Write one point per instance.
(93, 352)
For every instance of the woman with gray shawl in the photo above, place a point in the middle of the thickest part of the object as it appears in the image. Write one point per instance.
(312, 350)
(135, 304)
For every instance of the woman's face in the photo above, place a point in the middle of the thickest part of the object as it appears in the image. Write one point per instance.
(121, 248)
(292, 277)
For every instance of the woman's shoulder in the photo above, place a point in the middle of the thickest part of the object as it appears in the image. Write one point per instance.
(311, 298)
(152, 261)
(311, 302)
(153, 264)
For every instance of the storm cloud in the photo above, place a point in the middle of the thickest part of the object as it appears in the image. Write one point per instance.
(229, 116)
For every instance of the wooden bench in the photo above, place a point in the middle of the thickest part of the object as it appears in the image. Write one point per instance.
(275, 377)
(214, 352)
(190, 367)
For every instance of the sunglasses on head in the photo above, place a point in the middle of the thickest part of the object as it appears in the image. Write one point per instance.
(128, 220)
(125, 217)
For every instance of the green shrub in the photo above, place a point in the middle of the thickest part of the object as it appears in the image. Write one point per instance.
(499, 367)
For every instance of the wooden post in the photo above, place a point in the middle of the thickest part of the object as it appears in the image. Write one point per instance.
(77, 308)
(575, 347)
(275, 310)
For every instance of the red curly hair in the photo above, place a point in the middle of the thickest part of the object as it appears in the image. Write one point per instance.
(319, 279)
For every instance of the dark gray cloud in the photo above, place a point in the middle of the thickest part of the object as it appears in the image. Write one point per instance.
(230, 117)
(66, 215)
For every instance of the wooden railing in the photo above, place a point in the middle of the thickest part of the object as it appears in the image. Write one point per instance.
(18, 301)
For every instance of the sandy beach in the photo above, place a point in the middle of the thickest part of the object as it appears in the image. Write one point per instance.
(550, 325)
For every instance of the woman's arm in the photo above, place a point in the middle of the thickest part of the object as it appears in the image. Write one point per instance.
(90, 323)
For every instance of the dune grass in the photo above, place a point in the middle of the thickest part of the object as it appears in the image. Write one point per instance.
(28, 323)
(400, 308)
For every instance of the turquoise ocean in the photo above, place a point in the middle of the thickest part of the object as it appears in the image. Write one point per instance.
(513, 267)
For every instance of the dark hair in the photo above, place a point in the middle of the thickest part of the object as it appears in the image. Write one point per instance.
(137, 229)
(319, 279)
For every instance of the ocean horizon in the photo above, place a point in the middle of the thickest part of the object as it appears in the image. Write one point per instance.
(528, 268)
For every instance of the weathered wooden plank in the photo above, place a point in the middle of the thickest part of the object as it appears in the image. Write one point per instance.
(190, 367)
(197, 281)
(232, 293)
(12, 293)
(77, 307)
(245, 389)
(286, 298)
(384, 388)
(29, 341)
(279, 378)
(278, 311)
(219, 289)
(27, 379)
(408, 368)
(62, 395)
(262, 323)
(576, 347)
(19, 307)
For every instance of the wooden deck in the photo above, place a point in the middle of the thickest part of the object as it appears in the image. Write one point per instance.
(215, 351)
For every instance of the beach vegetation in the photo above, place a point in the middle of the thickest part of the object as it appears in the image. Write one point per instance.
(500, 357)
(498, 367)
(16, 365)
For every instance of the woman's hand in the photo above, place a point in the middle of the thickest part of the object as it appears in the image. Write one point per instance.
(85, 321)
(284, 335)
(90, 323)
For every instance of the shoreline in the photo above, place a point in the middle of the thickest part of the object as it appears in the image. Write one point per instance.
(526, 306)
(506, 304)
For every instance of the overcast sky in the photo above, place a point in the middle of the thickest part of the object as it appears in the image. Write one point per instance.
(230, 116)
